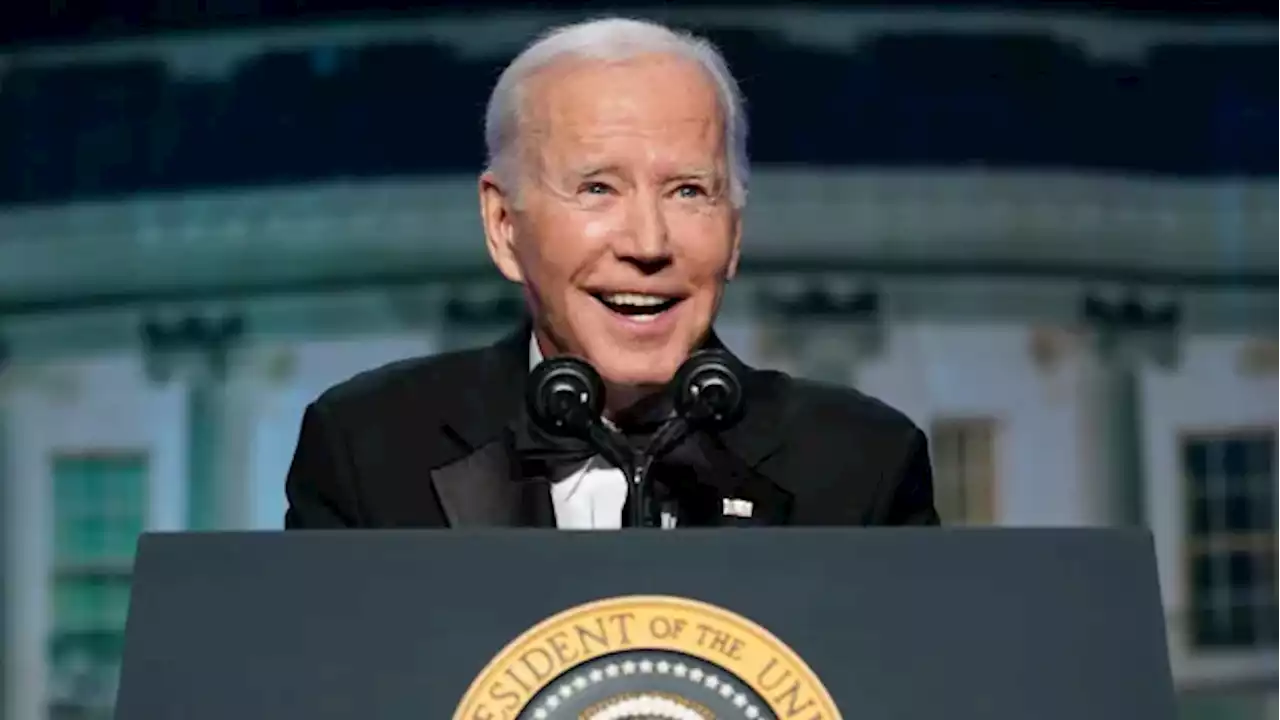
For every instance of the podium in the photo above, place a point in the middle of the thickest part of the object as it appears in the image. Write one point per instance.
(730, 624)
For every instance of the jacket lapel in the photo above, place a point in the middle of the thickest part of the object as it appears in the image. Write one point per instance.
(758, 435)
(482, 487)
(748, 496)
(476, 489)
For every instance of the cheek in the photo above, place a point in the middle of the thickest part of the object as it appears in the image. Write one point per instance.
(571, 242)
(559, 248)
(707, 251)
(596, 227)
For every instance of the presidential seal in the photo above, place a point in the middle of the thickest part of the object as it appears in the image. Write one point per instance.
(647, 658)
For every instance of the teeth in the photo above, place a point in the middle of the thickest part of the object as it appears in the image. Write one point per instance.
(634, 299)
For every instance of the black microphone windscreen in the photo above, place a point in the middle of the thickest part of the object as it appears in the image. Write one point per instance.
(709, 389)
(563, 395)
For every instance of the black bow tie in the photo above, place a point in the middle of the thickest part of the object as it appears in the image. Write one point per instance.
(548, 457)
(687, 481)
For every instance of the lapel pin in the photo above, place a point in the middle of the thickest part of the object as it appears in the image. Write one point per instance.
(735, 507)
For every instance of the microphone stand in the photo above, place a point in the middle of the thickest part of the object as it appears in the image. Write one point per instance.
(635, 464)
(674, 430)
(710, 389)
(638, 490)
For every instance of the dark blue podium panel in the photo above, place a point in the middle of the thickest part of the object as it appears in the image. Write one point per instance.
(792, 624)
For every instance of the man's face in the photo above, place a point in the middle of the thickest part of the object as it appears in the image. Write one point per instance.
(621, 230)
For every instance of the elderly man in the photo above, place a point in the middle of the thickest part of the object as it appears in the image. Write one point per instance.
(614, 197)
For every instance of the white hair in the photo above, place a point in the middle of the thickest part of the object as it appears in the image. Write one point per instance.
(613, 39)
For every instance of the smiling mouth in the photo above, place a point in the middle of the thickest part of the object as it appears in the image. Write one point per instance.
(637, 306)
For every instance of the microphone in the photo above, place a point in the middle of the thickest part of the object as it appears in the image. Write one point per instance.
(708, 390)
(565, 398)
(708, 394)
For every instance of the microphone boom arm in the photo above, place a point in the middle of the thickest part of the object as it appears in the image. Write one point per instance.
(669, 435)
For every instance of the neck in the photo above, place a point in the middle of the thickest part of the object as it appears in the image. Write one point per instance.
(622, 398)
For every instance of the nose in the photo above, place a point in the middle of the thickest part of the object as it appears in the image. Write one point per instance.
(647, 244)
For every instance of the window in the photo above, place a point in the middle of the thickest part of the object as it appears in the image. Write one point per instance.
(1231, 539)
(99, 509)
(963, 451)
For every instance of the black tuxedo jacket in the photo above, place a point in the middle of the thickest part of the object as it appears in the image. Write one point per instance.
(425, 443)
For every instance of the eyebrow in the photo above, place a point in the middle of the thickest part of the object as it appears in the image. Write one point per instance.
(697, 174)
(588, 171)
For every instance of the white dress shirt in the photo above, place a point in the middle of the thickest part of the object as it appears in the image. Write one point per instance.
(593, 495)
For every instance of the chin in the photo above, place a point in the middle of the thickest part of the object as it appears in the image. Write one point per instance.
(639, 369)
(630, 353)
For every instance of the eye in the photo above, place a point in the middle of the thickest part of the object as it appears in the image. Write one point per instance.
(595, 188)
(691, 191)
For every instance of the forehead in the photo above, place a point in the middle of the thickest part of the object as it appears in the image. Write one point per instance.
(658, 105)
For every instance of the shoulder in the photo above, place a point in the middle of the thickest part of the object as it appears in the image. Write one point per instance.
(845, 407)
(847, 458)
(837, 421)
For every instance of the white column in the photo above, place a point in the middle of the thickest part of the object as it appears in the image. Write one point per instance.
(1109, 436)
(1110, 420)
(220, 435)
(7, 544)
(24, 564)
(205, 355)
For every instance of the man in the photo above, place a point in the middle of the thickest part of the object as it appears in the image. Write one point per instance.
(614, 197)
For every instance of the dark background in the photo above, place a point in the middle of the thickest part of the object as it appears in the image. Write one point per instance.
(29, 22)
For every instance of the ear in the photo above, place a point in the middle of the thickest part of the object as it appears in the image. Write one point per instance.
(735, 250)
(497, 214)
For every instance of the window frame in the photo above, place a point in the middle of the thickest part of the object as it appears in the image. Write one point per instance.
(112, 568)
(989, 511)
(1193, 548)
